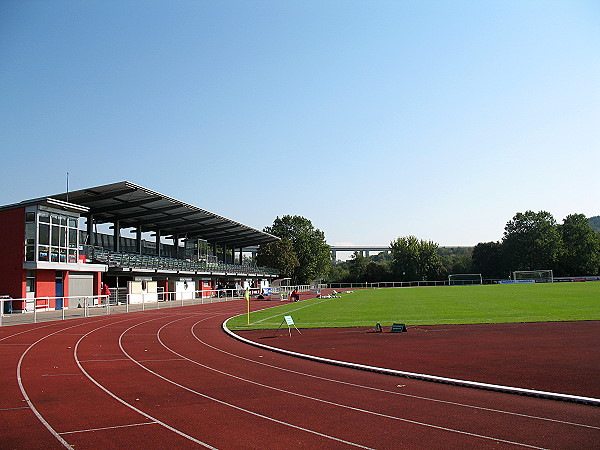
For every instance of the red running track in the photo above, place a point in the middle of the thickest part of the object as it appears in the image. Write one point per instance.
(555, 357)
(172, 378)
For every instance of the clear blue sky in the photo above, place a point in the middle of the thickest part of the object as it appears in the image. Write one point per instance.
(374, 119)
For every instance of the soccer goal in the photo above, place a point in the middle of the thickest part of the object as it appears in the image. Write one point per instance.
(537, 276)
(462, 279)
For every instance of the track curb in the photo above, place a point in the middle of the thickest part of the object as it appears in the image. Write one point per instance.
(419, 376)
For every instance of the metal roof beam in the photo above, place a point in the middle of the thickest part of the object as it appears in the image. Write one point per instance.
(147, 212)
(123, 205)
(216, 236)
(178, 218)
(99, 196)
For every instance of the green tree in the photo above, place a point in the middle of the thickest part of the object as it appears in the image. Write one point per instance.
(375, 272)
(278, 255)
(456, 259)
(339, 273)
(310, 247)
(531, 241)
(581, 247)
(415, 259)
(358, 267)
(595, 223)
(487, 259)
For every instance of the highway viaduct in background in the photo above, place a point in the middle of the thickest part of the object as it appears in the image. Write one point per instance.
(364, 250)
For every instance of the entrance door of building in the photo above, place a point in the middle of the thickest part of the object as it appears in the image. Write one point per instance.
(59, 291)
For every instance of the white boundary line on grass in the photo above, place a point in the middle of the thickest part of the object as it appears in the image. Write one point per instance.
(420, 376)
(290, 311)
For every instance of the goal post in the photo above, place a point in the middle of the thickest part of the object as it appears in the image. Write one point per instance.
(537, 276)
(462, 279)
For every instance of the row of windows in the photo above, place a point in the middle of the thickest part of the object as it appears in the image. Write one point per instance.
(52, 237)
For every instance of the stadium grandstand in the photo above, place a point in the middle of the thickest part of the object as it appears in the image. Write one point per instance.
(124, 239)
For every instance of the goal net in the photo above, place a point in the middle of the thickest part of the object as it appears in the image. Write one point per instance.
(460, 279)
(537, 276)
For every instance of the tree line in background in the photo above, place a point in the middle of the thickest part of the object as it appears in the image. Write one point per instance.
(531, 241)
(409, 259)
(536, 241)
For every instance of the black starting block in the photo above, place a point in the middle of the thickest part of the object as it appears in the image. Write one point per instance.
(398, 328)
(377, 328)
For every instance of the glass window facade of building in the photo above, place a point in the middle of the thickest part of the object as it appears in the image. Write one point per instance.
(51, 236)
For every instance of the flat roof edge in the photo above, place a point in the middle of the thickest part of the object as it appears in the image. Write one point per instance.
(47, 201)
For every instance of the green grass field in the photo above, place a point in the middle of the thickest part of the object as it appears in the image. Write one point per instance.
(437, 305)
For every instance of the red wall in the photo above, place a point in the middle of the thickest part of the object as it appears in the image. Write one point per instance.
(45, 286)
(97, 283)
(12, 251)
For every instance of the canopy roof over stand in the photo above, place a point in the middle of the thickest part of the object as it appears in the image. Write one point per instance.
(133, 206)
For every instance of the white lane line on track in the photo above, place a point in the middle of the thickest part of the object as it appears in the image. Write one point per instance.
(26, 331)
(119, 399)
(337, 404)
(109, 428)
(499, 411)
(20, 381)
(222, 402)
(24, 392)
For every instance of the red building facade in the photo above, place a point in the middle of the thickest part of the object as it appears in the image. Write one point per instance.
(39, 244)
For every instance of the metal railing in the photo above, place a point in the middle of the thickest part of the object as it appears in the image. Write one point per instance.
(33, 307)
(150, 262)
(43, 309)
(386, 284)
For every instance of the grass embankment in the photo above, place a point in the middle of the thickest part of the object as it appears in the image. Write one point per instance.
(437, 305)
